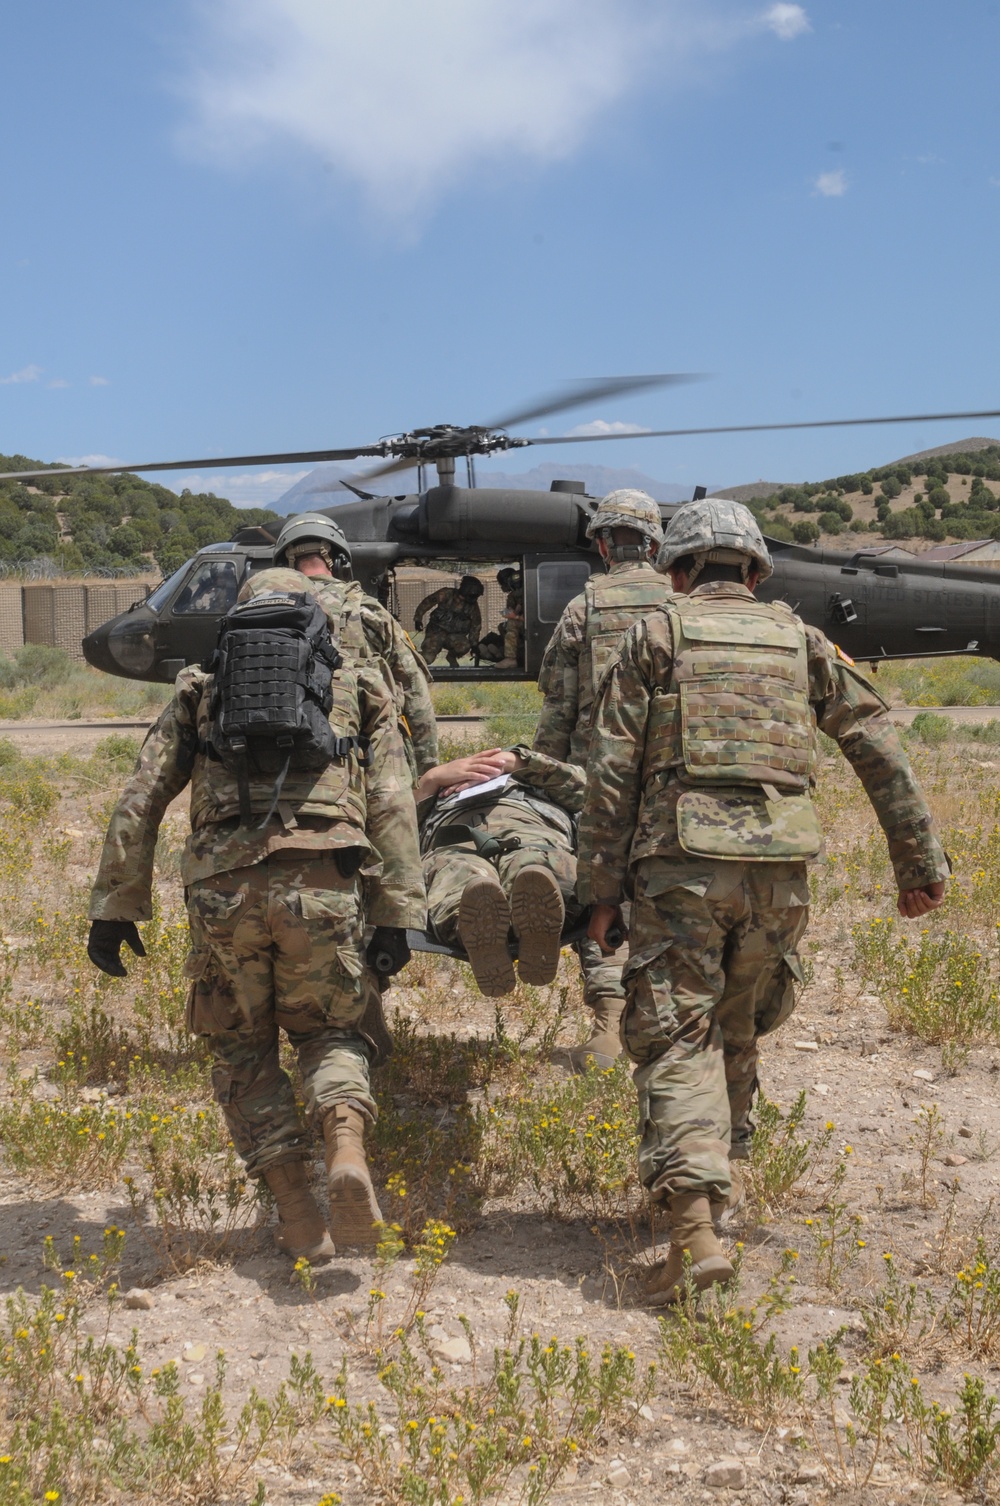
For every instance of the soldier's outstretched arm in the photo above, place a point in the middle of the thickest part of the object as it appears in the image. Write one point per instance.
(564, 782)
(559, 682)
(411, 673)
(122, 889)
(427, 605)
(614, 773)
(410, 676)
(396, 895)
(850, 710)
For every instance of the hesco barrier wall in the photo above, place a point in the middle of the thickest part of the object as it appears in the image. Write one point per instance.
(61, 613)
(412, 584)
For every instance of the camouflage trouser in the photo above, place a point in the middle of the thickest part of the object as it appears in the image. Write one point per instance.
(513, 641)
(602, 976)
(447, 870)
(712, 967)
(279, 945)
(454, 644)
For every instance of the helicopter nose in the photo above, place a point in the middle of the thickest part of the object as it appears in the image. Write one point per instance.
(123, 646)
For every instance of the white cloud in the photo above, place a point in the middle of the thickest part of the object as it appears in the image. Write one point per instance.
(58, 382)
(786, 21)
(88, 460)
(246, 489)
(26, 374)
(98, 381)
(832, 185)
(404, 99)
(601, 426)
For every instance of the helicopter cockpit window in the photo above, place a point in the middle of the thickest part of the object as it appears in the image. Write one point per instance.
(212, 588)
(558, 582)
(158, 598)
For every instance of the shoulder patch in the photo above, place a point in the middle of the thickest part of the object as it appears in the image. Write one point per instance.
(845, 658)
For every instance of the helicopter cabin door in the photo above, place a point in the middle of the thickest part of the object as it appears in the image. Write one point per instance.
(550, 582)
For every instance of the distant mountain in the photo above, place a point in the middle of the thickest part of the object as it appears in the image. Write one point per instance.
(959, 447)
(751, 490)
(321, 488)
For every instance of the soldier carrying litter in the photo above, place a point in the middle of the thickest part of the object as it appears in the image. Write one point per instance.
(702, 763)
(302, 814)
(628, 530)
(317, 558)
(455, 622)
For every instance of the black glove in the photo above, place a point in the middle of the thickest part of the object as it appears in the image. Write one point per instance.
(388, 952)
(104, 943)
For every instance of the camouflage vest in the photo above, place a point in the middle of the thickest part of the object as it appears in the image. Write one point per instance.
(614, 602)
(335, 793)
(735, 728)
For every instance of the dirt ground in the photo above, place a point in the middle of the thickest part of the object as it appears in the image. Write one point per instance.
(865, 1082)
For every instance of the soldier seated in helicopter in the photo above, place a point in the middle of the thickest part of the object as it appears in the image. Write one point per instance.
(498, 848)
(505, 647)
(455, 620)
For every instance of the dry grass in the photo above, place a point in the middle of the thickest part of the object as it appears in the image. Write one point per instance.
(482, 1131)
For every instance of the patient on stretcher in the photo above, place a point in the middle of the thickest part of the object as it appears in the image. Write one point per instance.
(498, 839)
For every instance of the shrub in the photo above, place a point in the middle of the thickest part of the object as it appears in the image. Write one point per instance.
(931, 728)
(35, 664)
(805, 532)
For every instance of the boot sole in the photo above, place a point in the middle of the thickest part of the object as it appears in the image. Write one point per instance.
(537, 912)
(354, 1213)
(483, 924)
(715, 1270)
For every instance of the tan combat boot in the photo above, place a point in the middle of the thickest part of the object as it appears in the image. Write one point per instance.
(301, 1231)
(537, 912)
(722, 1211)
(483, 924)
(604, 1045)
(354, 1210)
(691, 1232)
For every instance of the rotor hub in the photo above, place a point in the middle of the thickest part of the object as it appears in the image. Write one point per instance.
(448, 441)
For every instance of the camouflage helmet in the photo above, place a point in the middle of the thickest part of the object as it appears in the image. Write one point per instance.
(627, 509)
(310, 528)
(509, 578)
(471, 585)
(715, 531)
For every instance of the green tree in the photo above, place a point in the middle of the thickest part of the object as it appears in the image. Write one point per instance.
(805, 532)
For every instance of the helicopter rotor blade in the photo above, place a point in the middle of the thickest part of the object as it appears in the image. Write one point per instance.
(289, 457)
(402, 463)
(814, 423)
(593, 390)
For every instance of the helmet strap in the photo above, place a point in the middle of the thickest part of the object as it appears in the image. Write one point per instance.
(623, 553)
(746, 562)
(309, 546)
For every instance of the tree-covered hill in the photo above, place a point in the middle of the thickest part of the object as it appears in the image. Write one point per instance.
(936, 498)
(121, 523)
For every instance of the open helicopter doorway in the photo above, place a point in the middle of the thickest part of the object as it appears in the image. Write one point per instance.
(548, 582)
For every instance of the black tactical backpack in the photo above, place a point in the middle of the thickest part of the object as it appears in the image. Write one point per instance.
(272, 696)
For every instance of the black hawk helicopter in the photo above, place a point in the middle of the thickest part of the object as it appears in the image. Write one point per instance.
(874, 608)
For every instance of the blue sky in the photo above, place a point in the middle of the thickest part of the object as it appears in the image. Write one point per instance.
(246, 225)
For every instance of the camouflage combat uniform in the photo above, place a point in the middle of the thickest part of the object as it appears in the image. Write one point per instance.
(364, 628)
(277, 915)
(529, 822)
(584, 643)
(513, 625)
(705, 817)
(455, 625)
